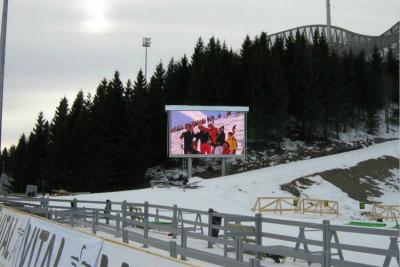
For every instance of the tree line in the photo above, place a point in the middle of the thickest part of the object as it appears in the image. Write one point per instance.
(295, 89)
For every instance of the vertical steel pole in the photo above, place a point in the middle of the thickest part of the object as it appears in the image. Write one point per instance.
(145, 65)
(328, 22)
(189, 168)
(2, 60)
(223, 169)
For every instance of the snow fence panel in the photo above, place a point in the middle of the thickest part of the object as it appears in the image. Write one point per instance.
(12, 229)
(49, 244)
(120, 255)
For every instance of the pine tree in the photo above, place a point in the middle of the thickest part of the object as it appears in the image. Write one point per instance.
(177, 82)
(37, 149)
(109, 130)
(279, 97)
(195, 94)
(56, 165)
(157, 122)
(5, 158)
(392, 70)
(373, 96)
(79, 149)
(19, 167)
(361, 83)
(138, 141)
(245, 69)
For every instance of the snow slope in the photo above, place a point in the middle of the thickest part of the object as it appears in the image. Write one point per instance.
(237, 193)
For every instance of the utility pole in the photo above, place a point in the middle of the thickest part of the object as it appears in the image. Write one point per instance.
(2, 60)
(146, 43)
(328, 22)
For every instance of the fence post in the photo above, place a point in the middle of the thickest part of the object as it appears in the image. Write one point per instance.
(239, 248)
(210, 218)
(41, 202)
(146, 222)
(94, 223)
(183, 242)
(327, 244)
(254, 262)
(172, 249)
(72, 217)
(97, 217)
(107, 211)
(117, 224)
(50, 215)
(225, 234)
(174, 220)
(75, 204)
(258, 225)
(123, 213)
(125, 236)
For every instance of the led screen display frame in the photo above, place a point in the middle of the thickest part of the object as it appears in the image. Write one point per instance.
(207, 131)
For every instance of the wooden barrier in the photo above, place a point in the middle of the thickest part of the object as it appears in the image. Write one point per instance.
(277, 204)
(296, 204)
(319, 206)
(385, 212)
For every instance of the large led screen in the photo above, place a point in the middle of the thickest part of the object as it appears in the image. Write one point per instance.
(207, 133)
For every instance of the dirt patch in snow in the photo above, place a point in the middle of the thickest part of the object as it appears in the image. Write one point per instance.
(360, 182)
(293, 186)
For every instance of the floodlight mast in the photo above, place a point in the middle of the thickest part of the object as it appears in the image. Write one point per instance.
(146, 43)
(2, 59)
(328, 22)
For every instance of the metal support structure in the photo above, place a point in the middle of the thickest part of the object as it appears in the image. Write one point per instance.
(146, 222)
(183, 241)
(342, 40)
(172, 249)
(258, 226)
(210, 219)
(327, 243)
(224, 168)
(174, 220)
(146, 44)
(328, 22)
(2, 60)
(189, 168)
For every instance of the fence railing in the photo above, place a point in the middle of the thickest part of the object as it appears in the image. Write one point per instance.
(246, 240)
(386, 212)
(277, 204)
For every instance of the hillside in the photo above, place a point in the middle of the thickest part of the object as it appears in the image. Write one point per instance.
(237, 193)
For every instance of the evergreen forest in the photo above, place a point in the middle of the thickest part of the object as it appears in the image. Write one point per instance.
(295, 89)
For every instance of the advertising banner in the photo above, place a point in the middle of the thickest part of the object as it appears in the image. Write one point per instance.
(49, 244)
(206, 131)
(12, 230)
(114, 255)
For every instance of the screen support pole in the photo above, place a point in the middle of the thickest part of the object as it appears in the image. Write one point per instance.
(189, 168)
(224, 167)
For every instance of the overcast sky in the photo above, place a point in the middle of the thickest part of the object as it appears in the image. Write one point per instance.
(56, 47)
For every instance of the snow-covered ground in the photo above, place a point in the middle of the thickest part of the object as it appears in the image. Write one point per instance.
(237, 194)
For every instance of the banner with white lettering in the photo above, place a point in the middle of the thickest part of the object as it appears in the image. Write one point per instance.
(114, 255)
(51, 245)
(12, 229)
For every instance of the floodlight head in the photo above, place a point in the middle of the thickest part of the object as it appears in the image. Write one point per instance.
(146, 42)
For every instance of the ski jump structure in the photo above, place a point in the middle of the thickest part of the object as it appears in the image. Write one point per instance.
(344, 40)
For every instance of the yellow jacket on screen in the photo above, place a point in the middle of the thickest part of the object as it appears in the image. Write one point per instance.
(232, 143)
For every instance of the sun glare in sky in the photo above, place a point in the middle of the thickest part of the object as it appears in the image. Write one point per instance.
(96, 21)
